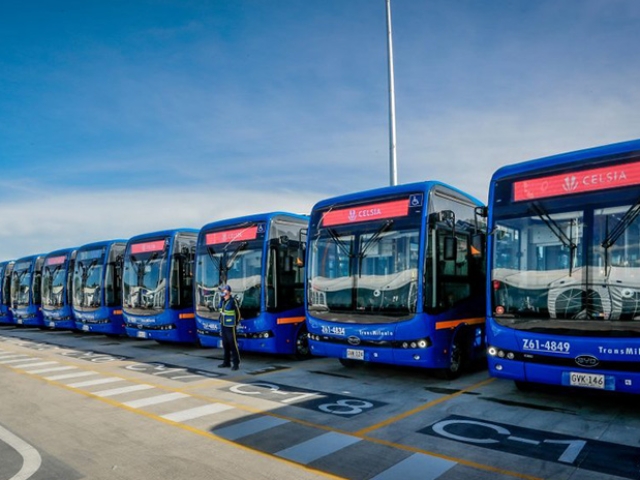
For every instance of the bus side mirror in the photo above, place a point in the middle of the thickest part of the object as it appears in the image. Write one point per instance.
(478, 245)
(450, 248)
(302, 250)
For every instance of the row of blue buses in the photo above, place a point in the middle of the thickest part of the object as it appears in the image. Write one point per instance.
(392, 276)
(544, 280)
(165, 285)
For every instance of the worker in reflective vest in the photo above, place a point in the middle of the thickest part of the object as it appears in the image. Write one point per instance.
(229, 318)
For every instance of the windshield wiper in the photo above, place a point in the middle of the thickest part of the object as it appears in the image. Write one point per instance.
(231, 258)
(623, 224)
(557, 231)
(339, 243)
(372, 240)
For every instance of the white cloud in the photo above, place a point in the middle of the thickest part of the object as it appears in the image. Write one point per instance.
(73, 219)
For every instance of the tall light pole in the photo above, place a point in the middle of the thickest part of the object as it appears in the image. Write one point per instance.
(393, 163)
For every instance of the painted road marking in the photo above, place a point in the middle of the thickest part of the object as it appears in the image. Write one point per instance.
(119, 391)
(17, 360)
(8, 356)
(300, 452)
(145, 402)
(52, 369)
(66, 376)
(255, 425)
(99, 381)
(197, 412)
(37, 364)
(418, 466)
(318, 447)
(30, 456)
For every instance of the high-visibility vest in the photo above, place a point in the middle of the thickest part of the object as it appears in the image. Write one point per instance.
(228, 313)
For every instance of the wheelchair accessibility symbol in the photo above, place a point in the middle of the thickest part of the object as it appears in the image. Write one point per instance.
(415, 200)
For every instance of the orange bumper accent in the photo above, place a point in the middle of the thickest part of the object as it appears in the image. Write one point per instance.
(283, 321)
(455, 323)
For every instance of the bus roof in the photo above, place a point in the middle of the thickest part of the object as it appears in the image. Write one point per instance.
(392, 190)
(62, 251)
(162, 233)
(103, 243)
(31, 258)
(563, 159)
(257, 217)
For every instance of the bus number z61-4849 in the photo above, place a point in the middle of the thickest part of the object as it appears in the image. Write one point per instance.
(536, 345)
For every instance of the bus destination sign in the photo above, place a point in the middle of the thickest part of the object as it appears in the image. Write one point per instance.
(146, 247)
(235, 235)
(59, 260)
(366, 213)
(582, 181)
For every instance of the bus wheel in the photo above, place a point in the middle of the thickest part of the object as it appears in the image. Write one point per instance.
(302, 345)
(454, 369)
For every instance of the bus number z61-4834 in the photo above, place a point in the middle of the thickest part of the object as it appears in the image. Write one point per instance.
(536, 345)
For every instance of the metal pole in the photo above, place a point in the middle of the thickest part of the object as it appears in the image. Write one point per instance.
(393, 168)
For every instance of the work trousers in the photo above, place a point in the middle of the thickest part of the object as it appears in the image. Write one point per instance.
(230, 345)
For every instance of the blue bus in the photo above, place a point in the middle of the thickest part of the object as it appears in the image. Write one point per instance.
(260, 257)
(158, 286)
(395, 276)
(5, 292)
(26, 291)
(57, 274)
(97, 287)
(564, 258)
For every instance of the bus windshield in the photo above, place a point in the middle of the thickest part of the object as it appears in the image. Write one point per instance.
(238, 264)
(21, 284)
(366, 273)
(145, 279)
(53, 282)
(574, 271)
(87, 279)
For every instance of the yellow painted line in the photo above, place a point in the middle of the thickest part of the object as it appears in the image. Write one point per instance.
(421, 408)
(283, 321)
(455, 323)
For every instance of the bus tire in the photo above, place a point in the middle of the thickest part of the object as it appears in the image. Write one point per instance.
(456, 363)
(302, 345)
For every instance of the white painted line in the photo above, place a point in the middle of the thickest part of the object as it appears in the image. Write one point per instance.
(90, 383)
(318, 447)
(64, 376)
(417, 467)
(197, 412)
(36, 364)
(145, 402)
(52, 369)
(31, 458)
(7, 356)
(18, 360)
(121, 390)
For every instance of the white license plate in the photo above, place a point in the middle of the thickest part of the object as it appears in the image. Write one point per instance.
(355, 354)
(589, 380)
(19, 321)
(85, 328)
(52, 324)
(141, 334)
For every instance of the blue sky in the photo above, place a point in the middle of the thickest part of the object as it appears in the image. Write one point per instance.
(124, 117)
